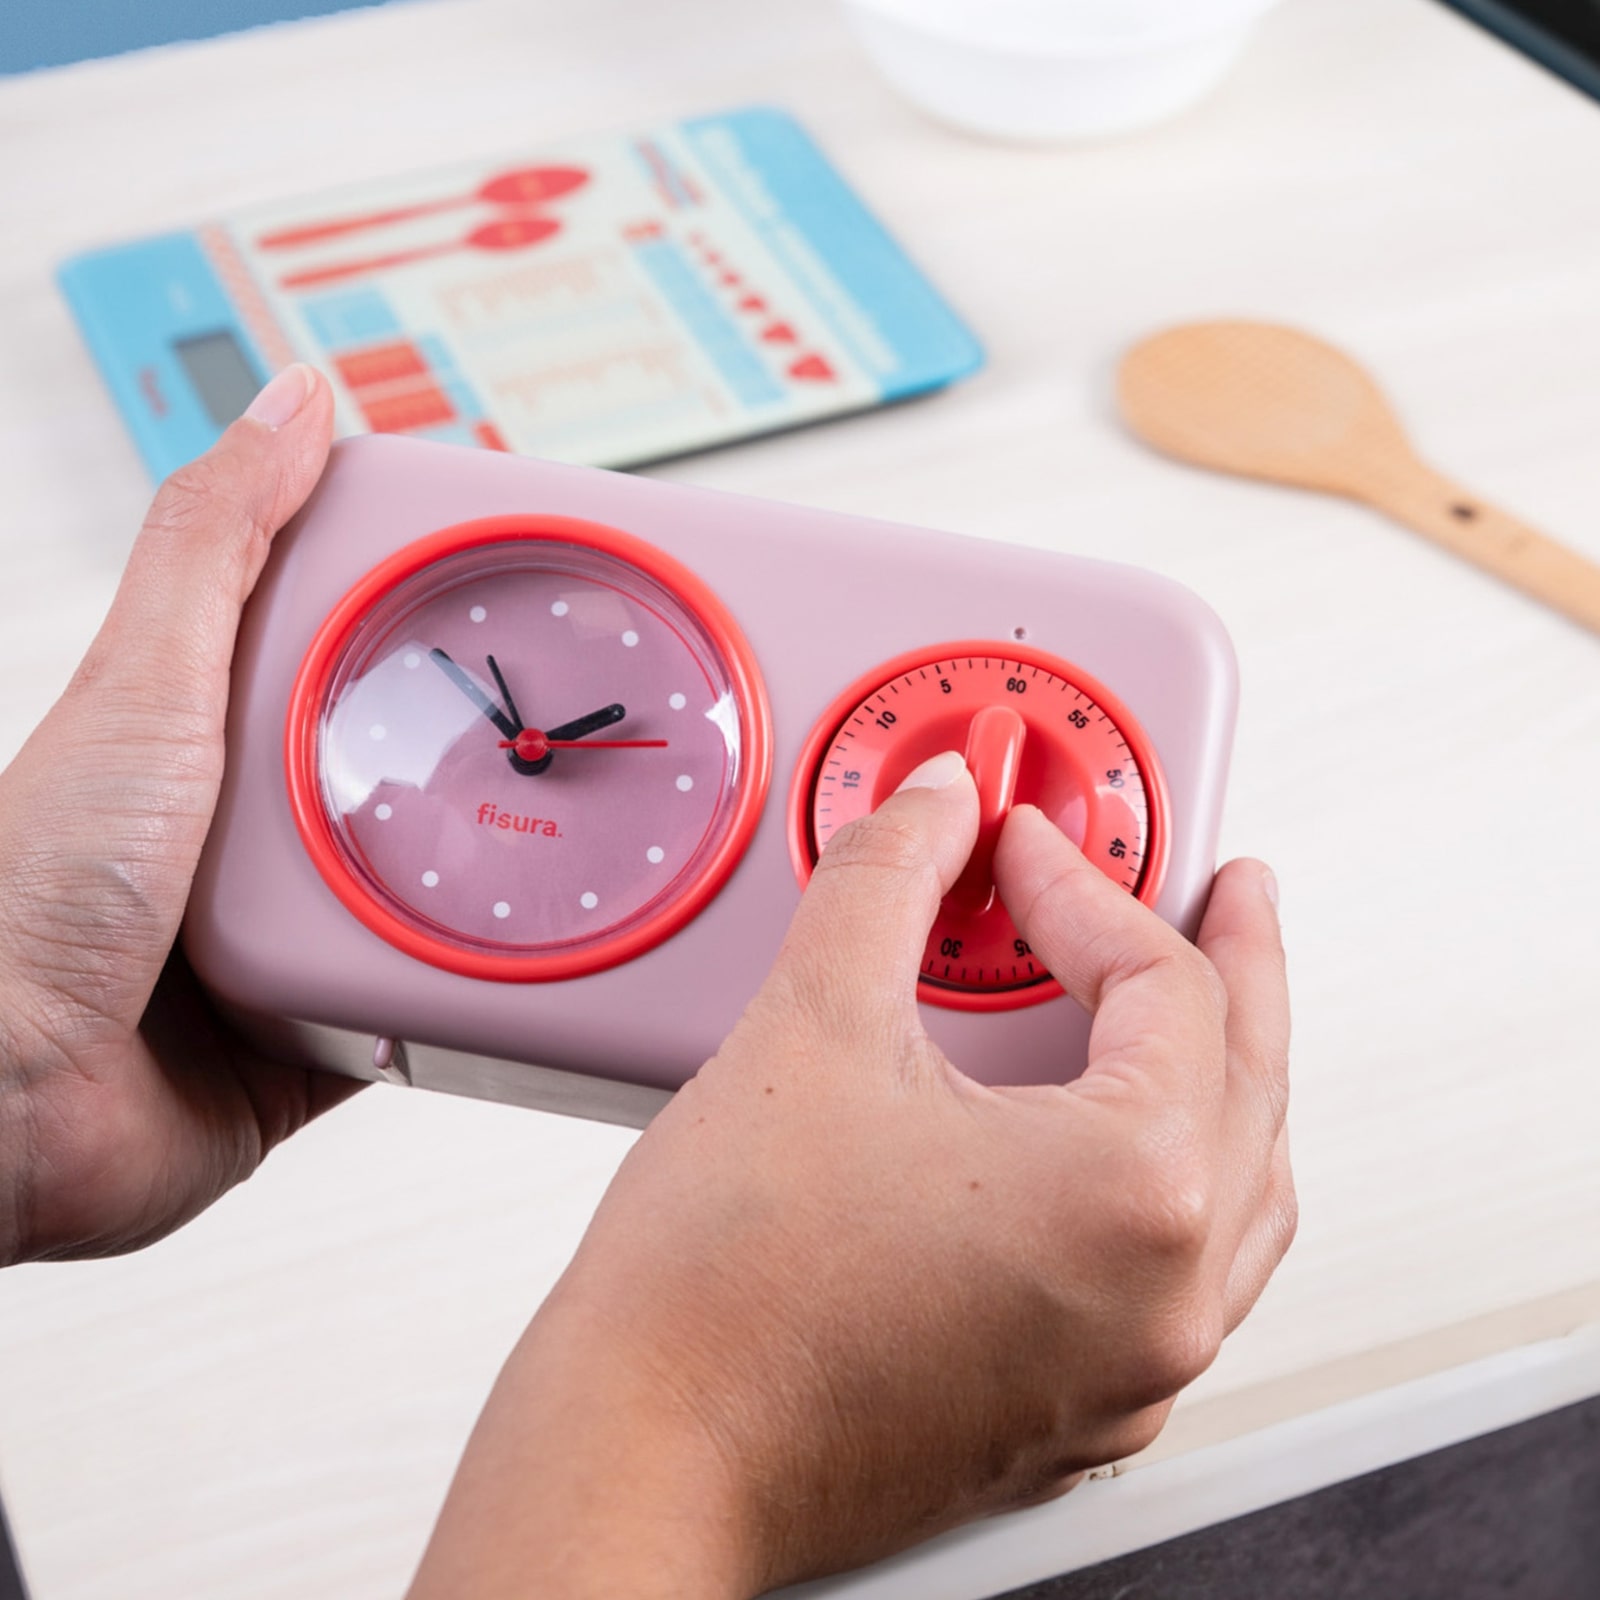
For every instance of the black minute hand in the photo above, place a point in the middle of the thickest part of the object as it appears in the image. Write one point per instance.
(476, 695)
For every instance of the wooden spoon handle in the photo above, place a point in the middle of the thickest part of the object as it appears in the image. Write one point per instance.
(1494, 540)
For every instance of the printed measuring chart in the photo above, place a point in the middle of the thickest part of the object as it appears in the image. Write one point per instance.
(608, 301)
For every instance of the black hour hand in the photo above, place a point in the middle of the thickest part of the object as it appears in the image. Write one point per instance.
(579, 728)
(582, 727)
(505, 692)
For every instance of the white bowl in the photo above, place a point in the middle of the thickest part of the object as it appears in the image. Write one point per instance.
(1044, 70)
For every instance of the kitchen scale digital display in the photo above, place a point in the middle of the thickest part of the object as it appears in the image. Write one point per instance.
(609, 301)
(528, 764)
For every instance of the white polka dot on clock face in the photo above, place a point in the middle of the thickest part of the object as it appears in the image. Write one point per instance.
(413, 660)
(588, 900)
(677, 701)
(655, 854)
(477, 613)
(383, 812)
(630, 638)
(685, 782)
(559, 609)
(430, 879)
(502, 909)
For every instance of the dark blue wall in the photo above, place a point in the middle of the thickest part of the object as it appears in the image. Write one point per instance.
(45, 33)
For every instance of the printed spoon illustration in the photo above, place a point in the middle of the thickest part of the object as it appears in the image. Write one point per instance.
(512, 233)
(1271, 402)
(526, 186)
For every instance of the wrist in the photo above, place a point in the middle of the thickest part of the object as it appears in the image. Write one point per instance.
(16, 1153)
(586, 1477)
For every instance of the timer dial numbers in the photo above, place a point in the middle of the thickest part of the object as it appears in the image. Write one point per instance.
(1035, 730)
(459, 791)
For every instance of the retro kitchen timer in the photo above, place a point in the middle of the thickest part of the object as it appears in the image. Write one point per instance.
(528, 764)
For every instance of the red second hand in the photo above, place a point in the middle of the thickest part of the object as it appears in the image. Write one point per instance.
(532, 745)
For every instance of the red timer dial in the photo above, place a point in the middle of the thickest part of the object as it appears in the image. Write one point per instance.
(1035, 730)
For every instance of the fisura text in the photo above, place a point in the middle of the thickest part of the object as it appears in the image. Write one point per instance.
(491, 816)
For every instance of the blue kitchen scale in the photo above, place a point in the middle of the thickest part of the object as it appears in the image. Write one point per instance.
(606, 302)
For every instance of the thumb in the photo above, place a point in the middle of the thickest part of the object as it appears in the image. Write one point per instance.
(167, 641)
(855, 946)
(105, 810)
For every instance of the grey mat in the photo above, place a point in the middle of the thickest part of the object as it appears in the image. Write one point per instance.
(1563, 35)
(10, 1579)
(1514, 1515)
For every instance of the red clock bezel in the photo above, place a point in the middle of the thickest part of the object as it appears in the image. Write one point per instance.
(802, 843)
(308, 698)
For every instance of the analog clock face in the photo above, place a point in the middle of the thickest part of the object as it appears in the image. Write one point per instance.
(1035, 730)
(528, 748)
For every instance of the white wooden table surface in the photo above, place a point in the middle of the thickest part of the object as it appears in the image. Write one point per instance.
(270, 1404)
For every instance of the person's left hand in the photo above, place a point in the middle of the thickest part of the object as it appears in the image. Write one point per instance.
(126, 1106)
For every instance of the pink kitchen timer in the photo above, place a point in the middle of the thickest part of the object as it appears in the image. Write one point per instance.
(527, 765)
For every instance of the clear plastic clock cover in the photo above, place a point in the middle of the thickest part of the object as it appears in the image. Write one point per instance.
(463, 845)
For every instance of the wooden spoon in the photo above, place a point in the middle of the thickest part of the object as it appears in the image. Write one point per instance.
(1271, 402)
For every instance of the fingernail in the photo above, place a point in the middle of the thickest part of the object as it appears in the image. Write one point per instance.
(1269, 886)
(939, 772)
(281, 400)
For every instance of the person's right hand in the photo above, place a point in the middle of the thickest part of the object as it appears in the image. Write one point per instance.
(840, 1296)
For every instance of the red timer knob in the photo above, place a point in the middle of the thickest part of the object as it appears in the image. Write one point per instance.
(1035, 730)
(995, 738)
